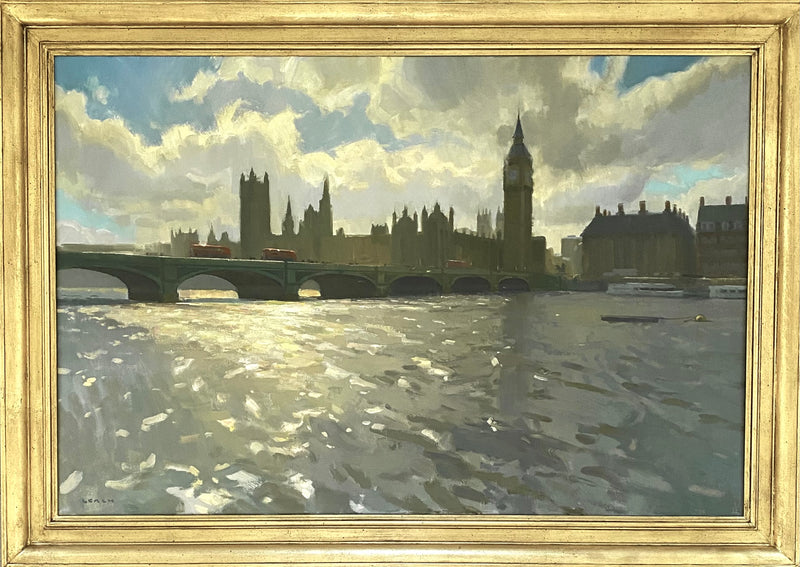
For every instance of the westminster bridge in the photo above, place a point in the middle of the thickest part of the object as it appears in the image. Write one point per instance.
(157, 278)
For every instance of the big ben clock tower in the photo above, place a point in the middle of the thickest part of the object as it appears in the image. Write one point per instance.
(517, 204)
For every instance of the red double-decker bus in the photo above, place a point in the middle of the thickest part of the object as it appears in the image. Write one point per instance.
(210, 251)
(279, 254)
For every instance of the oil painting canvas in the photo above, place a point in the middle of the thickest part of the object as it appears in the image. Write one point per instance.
(392, 285)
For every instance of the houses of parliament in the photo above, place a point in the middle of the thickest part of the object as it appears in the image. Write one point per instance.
(422, 240)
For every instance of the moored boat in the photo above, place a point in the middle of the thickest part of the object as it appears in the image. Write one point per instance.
(644, 289)
(727, 291)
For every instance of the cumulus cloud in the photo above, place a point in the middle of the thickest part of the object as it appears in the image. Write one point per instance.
(398, 131)
(99, 92)
(75, 233)
(331, 86)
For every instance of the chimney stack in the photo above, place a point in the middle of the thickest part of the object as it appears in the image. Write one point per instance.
(620, 209)
(642, 207)
(728, 200)
(666, 206)
(597, 211)
(702, 201)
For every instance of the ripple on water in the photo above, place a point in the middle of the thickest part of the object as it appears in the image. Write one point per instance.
(487, 404)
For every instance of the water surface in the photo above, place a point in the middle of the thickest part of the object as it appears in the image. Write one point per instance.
(522, 404)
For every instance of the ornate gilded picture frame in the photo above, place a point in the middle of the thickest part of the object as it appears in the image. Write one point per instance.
(35, 33)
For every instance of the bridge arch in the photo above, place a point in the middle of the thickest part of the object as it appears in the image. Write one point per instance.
(470, 284)
(342, 286)
(309, 289)
(248, 284)
(512, 284)
(141, 286)
(415, 285)
(206, 286)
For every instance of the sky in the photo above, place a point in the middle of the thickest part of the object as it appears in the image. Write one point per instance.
(145, 145)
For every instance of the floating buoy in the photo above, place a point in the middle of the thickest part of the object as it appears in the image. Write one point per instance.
(700, 318)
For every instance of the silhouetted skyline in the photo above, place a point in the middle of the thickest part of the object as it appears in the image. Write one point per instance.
(149, 144)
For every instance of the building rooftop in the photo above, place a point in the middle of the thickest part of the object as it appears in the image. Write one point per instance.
(637, 223)
(721, 213)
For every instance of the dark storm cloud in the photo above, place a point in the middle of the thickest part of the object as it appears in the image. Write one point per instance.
(577, 204)
(445, 82)
(701, 125)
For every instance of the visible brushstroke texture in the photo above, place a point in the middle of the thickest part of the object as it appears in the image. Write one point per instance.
(145, 144)
(526, 404)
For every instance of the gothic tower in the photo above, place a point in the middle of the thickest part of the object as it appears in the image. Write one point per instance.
(287, 229)
(254, 214)
(325, 211)
(517, 204)
(211, 238)
(499, 224)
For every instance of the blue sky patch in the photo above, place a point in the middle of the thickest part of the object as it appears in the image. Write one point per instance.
(681, 179)
(599, 64)
(147, 115)
(67, 207)
(325, 132)
(640, 68)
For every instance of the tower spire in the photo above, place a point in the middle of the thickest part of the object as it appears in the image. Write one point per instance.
(325, 209)
(288, 220)
(518, 136)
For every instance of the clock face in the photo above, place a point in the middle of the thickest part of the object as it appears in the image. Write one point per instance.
(513, 174)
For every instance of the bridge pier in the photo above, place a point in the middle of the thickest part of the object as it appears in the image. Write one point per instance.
(151, 294)
(170, 295)
(345, 287)
(260, 292)
(169, 283)
(146, 291)
(470, 284)
(417, 284)
(291, 292)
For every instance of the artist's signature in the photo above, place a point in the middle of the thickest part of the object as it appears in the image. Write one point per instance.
(95, 501)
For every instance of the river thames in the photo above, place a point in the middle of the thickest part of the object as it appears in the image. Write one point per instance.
(461, 404)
